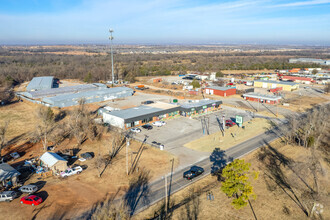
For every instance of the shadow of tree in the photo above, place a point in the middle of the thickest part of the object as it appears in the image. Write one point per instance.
(138, 190)
(38, 210)
(219, 160)
(273, 160)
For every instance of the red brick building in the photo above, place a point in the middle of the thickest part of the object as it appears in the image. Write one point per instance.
(298, 79)
(263, 98)
(221, 91)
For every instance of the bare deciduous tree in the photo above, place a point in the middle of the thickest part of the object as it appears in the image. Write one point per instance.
(46, 124)
(3, 131)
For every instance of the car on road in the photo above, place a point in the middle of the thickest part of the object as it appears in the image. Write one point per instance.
(230, 123)
(28, 189)
(158, 144)
(193, 172)
(7, 196)
(147, 126)
(71, 171)
(31, 200)
(158, 123)
(147, 102)
(135, 130)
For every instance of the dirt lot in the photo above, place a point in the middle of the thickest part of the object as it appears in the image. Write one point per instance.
(301, 103)
(232, 136)
(77, 194)
(272, 201)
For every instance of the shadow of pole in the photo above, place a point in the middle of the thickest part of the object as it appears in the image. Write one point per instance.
(170, 184)
(137, 157)
(254, 214)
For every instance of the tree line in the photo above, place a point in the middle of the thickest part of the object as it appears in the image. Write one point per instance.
(20, 67)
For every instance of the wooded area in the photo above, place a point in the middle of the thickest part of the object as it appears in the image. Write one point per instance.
(17, 66)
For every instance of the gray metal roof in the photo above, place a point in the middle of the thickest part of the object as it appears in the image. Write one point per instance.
(262, 96)
(63, 90)
(136, 111)
(277, 82)
(102, 94)
(40, 83)
(199, 103)
(222, 88)
(7, 172)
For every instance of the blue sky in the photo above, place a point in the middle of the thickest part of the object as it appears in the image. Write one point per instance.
(165, 21)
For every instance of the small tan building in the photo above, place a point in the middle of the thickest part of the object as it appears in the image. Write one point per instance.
(54, 162)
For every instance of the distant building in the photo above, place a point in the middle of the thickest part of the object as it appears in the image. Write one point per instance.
(309, 60)
(304, 80)
(221, 91)
(195, 107)
(42, 83)
(287, 86)
(256, 97)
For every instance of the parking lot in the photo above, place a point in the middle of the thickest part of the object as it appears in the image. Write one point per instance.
(181, 130)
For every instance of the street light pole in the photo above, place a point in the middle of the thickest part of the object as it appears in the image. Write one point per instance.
(111, 38)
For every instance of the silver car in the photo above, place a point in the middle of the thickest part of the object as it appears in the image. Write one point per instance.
(28, 189)
(7, 196)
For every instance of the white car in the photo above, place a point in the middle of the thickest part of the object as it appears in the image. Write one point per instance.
(71, 171)
(136, 130)
(158, 123)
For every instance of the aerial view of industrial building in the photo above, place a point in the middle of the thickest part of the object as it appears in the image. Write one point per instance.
(269, 84)
(41, 90)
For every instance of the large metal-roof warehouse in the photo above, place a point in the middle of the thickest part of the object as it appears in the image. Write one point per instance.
(41, 90)
(100, 95)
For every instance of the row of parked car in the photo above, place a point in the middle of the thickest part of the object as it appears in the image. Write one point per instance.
(8, 196)
(148, 126)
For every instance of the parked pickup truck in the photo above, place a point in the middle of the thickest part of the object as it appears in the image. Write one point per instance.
(71, 171)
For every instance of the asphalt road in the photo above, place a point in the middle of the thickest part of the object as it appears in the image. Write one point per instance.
(155, 191)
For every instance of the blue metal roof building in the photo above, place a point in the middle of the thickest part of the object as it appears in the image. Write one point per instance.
(42, 83)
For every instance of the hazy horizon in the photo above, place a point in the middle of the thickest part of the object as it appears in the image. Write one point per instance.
(160, 22)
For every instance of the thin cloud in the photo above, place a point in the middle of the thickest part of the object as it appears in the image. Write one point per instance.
(303, 3)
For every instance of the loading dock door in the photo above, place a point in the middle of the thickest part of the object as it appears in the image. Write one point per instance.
(211, 91)
(264, 85)
(207, 91)
(274, 86)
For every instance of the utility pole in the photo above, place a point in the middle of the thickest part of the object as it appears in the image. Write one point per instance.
(127, 144)
(165, 195)
(111, 38)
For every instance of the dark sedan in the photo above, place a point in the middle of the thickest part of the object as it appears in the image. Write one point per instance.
(148, 127)
(193, 172)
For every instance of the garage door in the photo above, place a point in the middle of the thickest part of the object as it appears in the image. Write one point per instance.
(264, 85)
(207, 91)
(211, 91)
(274, 86)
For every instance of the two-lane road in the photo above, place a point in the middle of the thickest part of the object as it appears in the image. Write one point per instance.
(176, 182)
